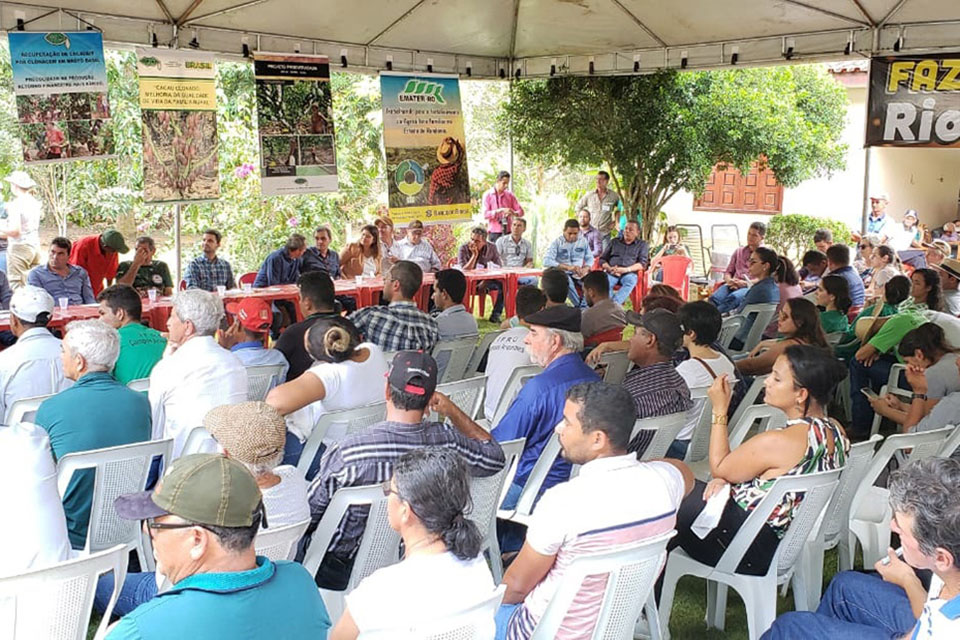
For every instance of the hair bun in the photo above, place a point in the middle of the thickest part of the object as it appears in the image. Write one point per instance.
(336, 340)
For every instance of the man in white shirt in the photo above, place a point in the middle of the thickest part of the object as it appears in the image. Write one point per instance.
(415, 249)
(196, 374)
(453, 319)
(32, 366)
(508, 351)
(588, 514)
(949, 270)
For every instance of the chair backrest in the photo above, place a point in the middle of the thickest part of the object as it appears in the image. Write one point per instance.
(950, 444)
(728, 330)
(141, 384)
(354, 419)
(767, 416)
(833, 339)
(538, 474)
(473, 367)
(25, 409)
(610, 335)
(453, 357)
(631, 573)
(763, 316)
(183, 285)
(55, 603)
(665, 430)
(691, 236)
(750, 397)
(248, 277)
(676, 270)
(724, 238)
(487, 493)
(614, 365)
(467, 394)
(837, 514)
(700, 439)
(518, 378)
(199, 440)
(260, 379)
(473, 623)
(119, 470)
(280, 543)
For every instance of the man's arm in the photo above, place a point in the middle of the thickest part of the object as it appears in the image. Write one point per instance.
(230, 281)
(86, 290)
(490, 210)
(550, 259)
(644, 258)
(464, 424)
(527, 571)
(466, 258)
(434, 259)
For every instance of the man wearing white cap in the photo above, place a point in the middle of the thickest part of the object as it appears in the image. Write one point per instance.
(22, 229)
(878, 222)
(32, 366)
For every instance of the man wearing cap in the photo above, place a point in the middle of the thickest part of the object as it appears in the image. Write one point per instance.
(22, 229)
(246, 337)
(366, 457)
(937, 251)
(32, 366)
(143, 272)
(656, 387)
(878, 222)
(140, 347)
(90, 350)
(98, 255)
(414, 248)
(61, 279)
(949, 270)
(202, 518)
(317, 300)
(400, 325)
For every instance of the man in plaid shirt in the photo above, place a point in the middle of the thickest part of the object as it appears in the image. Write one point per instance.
(400, 325)
(208, 271)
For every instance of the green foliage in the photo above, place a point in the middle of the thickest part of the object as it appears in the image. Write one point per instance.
(792, 234)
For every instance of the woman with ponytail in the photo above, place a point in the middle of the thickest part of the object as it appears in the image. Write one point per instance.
(341, 378)
(442, 571)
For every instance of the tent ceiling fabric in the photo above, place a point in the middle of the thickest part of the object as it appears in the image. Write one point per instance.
(519, 35)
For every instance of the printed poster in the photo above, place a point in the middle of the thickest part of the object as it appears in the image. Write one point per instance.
(60, 84)
(914, 101)
(178, 99)
(425, 147)
(295, 116)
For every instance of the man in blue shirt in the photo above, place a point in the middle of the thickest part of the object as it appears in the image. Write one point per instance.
(838, 264)
(571, 253)
(208, 271)
(282, 267)
(203, 518)
(321, 257)
(60, 278)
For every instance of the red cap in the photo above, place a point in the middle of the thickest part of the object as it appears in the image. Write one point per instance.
(254, 314)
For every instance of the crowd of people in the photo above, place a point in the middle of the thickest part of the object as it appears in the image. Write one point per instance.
(841, 316)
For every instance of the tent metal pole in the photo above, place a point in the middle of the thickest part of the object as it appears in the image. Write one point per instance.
(176, 241)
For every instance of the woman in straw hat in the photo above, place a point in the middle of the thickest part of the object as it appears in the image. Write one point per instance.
(22, 229)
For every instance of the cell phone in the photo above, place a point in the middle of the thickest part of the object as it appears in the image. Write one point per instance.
(886, 559)
(870, 393)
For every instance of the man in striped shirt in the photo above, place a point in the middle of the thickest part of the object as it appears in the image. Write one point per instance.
(597, 511)
(367, 457)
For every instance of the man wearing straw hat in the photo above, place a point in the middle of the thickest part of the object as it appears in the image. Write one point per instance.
(22, 229)
(949, 280)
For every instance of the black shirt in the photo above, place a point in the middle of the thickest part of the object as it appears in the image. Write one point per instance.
(290, 344)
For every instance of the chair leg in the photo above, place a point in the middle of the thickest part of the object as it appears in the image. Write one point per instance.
(671, 575)
(716, 604)
(846, 550)
(653, 618)
(496, 562)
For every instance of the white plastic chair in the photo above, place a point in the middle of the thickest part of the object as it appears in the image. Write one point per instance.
(892, 386)
(354, 419)
(614, 365)
(379, 545)
(453, 357)
(473, 623)
(199, 440)
(487, 494)
(55, 603)
(750, 397)
(280, 543)
(25, 409)
(518, 378)
(467, 394)
(528, 496)
(731, 325)
(759, 593)
(763, 316)
(260, 379)
(140, 384)
(473, 367)
(631, 573)
(951, 444)
(700, 439)
(870, 514)
(762, 415)
(665, 430)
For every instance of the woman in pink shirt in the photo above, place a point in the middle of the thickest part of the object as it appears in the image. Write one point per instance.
(499, 206)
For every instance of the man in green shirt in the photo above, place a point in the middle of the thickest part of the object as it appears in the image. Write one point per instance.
(140, 347)
(143, 272)
(96, 412)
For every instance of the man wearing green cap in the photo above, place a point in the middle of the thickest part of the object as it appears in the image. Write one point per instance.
(202, 518)
(98, 255)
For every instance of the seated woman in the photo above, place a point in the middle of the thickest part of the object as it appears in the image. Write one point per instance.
(927, 290)
(671, 247)
(803, 382)
(799, 323)
(864, 262)
(833, 294)
(885, 265)
(362, 258)
(895, 292)
(341, 379)
(442, 572)
(788, 283)
(763, 266)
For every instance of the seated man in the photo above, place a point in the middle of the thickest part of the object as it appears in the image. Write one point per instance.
(590, 233)
(196, 374)
(653, 383)
(321, 257)
(587, 514)
(143, 272)
(400, 326)
(61, 279)
(507, 351)
(453, 319)
(925, 498)
(413, 248)
(140, 347)
(937, 251)
(480, 254)
(317, 300)
(208, 271)
(736, 280)
(949, 269)
(247, 336)
(516, 251)
(813, 267)
(282, 267)
(32, 366)
(203, 538)
(74, 422)
(97, 255)
(838, 264)
(367, 456)
(622, 259)
(822, 239)
(571, 254)
(602, 315)
(554, 284)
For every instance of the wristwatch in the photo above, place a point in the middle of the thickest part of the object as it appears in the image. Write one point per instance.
(918, 396)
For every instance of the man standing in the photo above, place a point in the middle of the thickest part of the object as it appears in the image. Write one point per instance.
(481, 254)
(207, 271)
(949, 280)
(602, 314)
(453, 320)
(321, 257)
(571, 254)
(736, 280)
(143, 272)
(140, 347)
(98, 255)
(415, 249)
(399, 326)
(623, 259)
(61, 279)
(90, 350)
(283, 265)
(22, 228)
(500, 206)
(590, 233)
(317, 300)
(602, 205)
(516, 251)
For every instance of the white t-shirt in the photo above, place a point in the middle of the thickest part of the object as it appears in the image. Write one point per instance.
(286, 502)
(950, 325)
(24, 213)
(506, 353)
(369, 267)
(942, 377)
(696, 375)
(951, 301)
(940, 618)
(418, 589)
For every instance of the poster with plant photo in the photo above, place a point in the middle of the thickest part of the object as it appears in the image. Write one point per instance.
(178, 100)
(295, 116)
(60, 85)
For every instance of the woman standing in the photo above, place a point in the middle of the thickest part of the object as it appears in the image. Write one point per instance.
(23, 228)
(362, 258)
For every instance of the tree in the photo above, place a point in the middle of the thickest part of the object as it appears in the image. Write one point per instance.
(664, 132)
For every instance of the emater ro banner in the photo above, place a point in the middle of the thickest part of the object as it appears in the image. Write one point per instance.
(914, 101)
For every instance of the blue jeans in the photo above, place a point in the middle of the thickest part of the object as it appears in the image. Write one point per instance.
(874, 377)
(502, 619)
(527, 280)
(495, 285)
(726, 299)
(855, 605)
(293, 449)
(573, 295)
(627, 282)
(137, 588)
(510, 534)
(678, 449)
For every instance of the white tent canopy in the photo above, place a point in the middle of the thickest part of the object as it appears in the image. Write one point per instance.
(490, 38)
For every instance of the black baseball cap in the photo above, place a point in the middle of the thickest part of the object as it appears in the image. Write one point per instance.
(662, 323)
(413, 372)
(558, 317)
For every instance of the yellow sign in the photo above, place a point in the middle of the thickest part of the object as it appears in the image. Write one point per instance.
(431, 214)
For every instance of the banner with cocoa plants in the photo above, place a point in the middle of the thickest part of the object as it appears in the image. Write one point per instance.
(178, 99)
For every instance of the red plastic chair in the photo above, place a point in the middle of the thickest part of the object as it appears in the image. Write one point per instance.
(248, 278)
(183, 285)
(610, 335)
(676, 273)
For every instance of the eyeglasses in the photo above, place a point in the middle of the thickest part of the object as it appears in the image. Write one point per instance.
(864, 246)
(152, 525)
(387, 490)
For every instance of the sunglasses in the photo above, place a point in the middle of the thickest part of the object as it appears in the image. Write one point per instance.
(864, 246)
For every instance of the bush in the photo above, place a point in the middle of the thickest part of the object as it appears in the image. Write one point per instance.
(792, 234)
